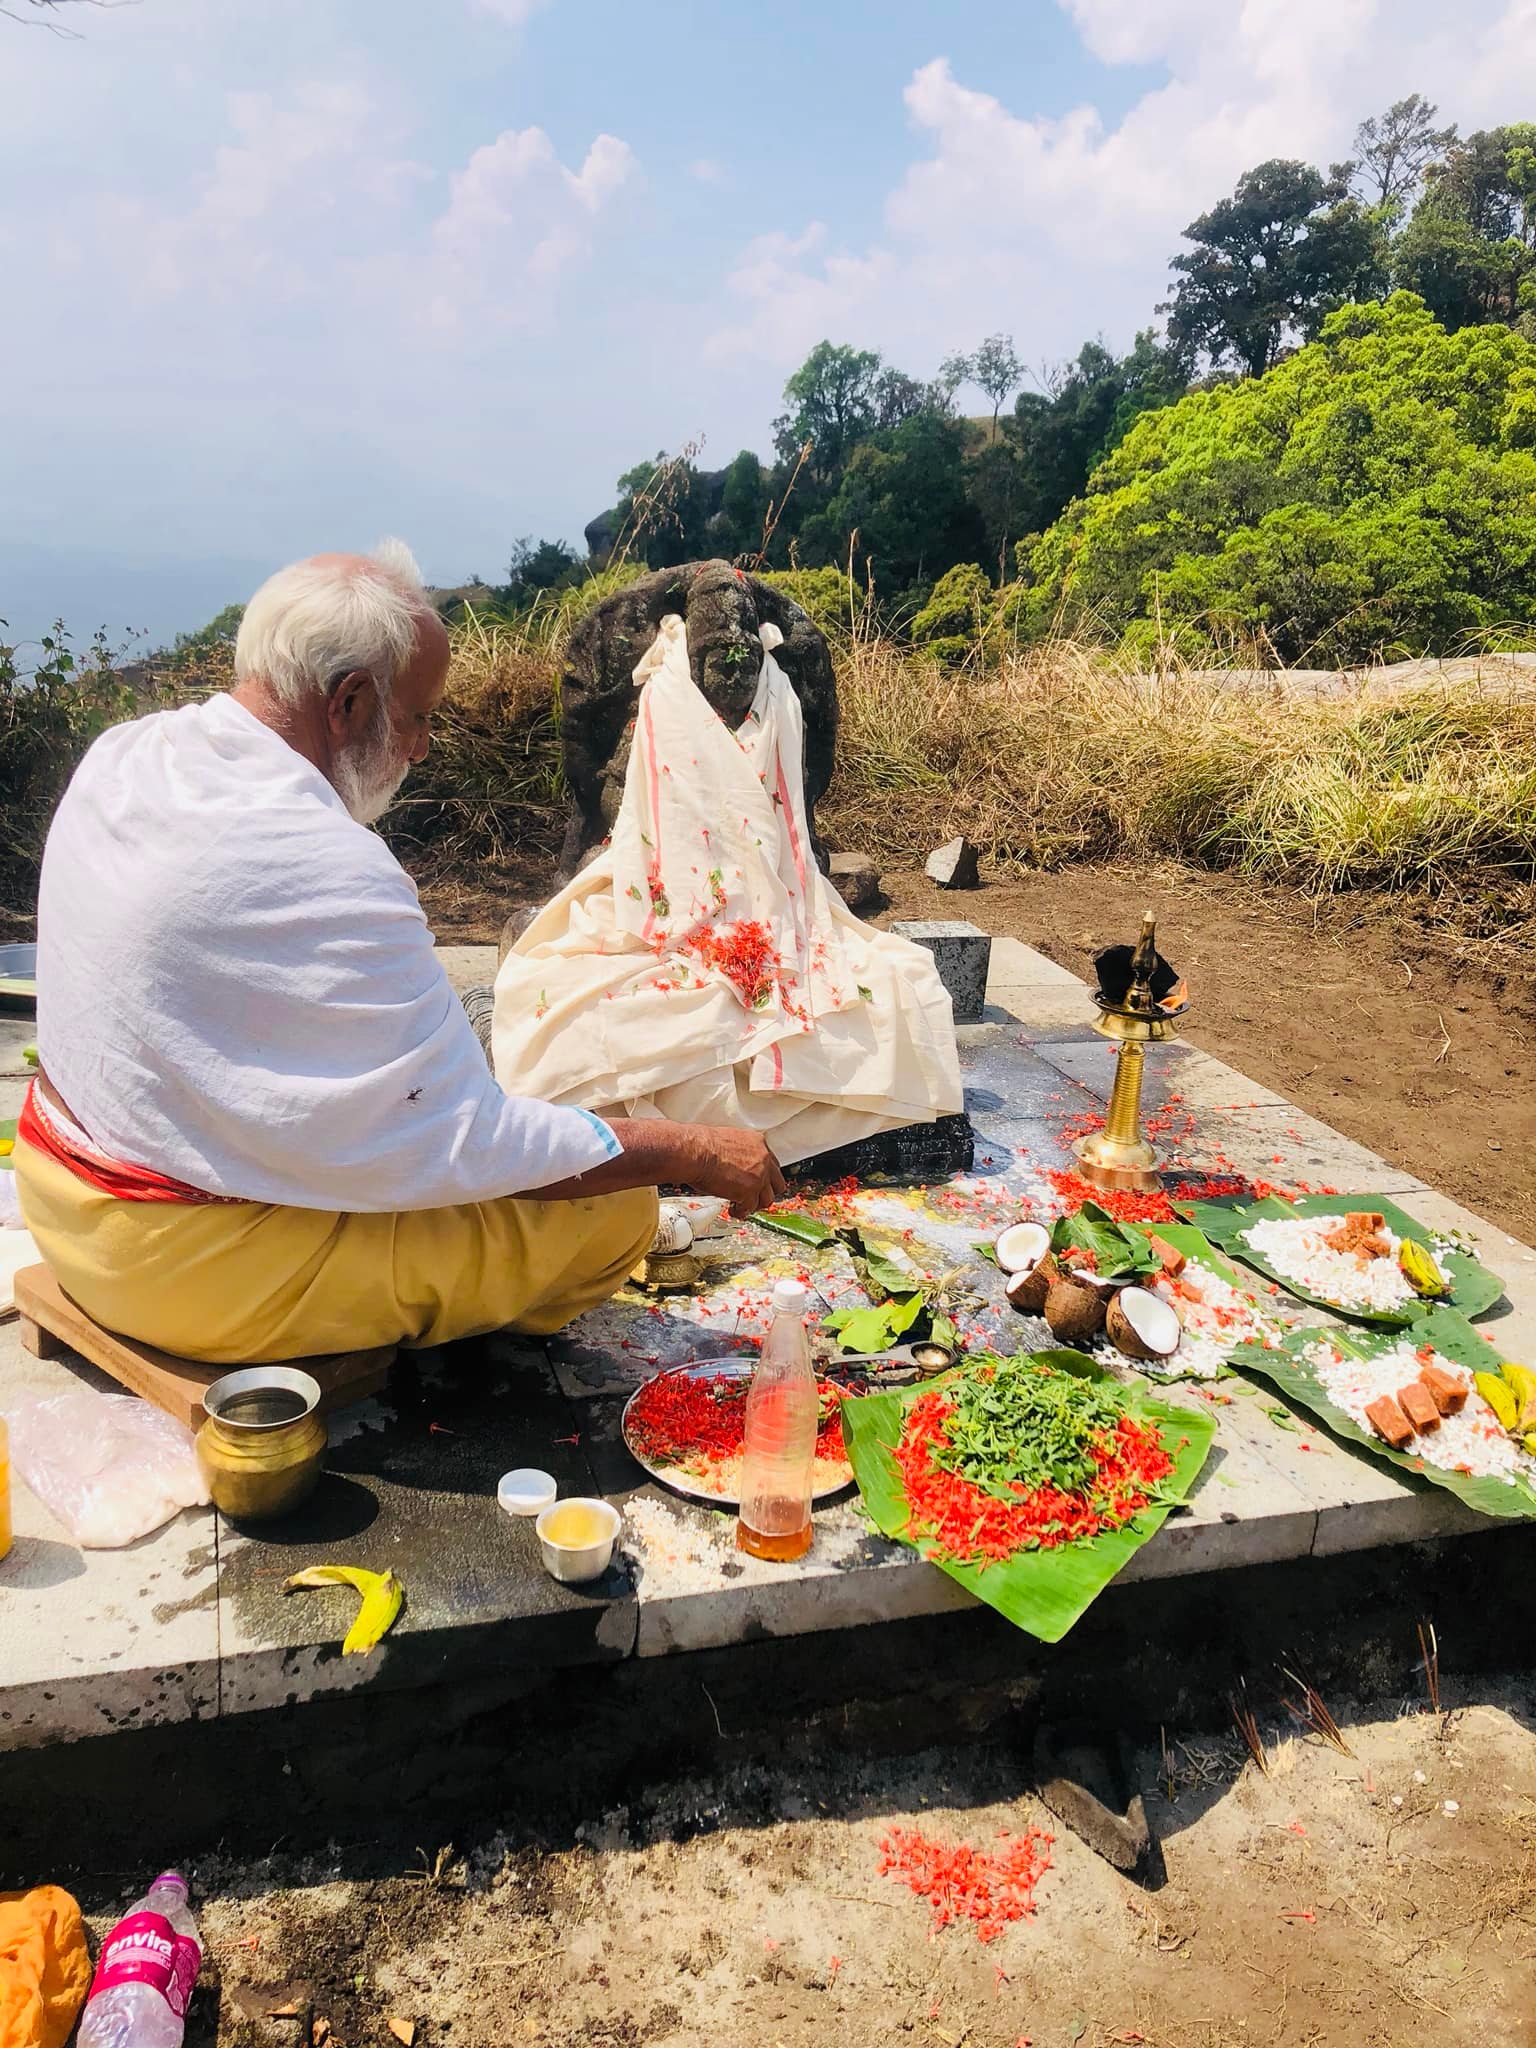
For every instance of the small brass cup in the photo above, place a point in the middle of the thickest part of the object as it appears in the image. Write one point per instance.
(261, 1448)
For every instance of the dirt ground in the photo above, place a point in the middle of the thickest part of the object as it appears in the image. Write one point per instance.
(1383, 1896)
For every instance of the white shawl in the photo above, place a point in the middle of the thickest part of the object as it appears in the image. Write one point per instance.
(629, 993)
(237, 987)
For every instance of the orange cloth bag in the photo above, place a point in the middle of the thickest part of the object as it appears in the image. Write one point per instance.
(45, 1967)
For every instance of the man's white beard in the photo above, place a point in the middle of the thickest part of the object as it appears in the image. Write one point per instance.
(367, 779)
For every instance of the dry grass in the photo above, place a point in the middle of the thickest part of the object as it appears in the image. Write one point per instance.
(1043, 757)
(1066, 753)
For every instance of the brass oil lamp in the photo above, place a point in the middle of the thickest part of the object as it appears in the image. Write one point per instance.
(1139, 998)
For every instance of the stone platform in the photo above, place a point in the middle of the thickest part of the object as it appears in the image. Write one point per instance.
(190, 1624)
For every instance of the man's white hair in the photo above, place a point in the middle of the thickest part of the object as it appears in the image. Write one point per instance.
(315, 620)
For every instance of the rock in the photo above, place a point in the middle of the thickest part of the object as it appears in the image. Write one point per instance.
(855, 878)
(955, 866)
(723, 609)
(479, 1006)
(518, 920)
(917, 1155)
(963, 955)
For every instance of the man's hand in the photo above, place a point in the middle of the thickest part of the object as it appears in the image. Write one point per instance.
(738, 1166)
(735, 1165)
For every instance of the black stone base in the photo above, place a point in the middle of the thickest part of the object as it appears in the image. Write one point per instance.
(914, 1156)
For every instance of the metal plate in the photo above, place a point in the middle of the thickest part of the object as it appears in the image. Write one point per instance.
(682, 1482)
(18, 976)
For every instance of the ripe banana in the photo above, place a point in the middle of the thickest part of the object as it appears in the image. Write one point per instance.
(382, 1596)
(1419, 1269)
(1523, 1380)
(1500, 1396)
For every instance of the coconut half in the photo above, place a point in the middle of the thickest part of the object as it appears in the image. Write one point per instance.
(1142, 1324)
(1021, 1247)
(1074, 1312)
(1027, 1291)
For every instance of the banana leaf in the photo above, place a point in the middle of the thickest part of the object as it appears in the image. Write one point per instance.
(1189, 1239)
(1451, 1334)
(1042, 1592)
(1198, 1249)
(1474, 1289)
(1119, 1250)
(796, 1224)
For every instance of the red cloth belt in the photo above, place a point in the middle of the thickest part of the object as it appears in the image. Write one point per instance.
(110, 1176)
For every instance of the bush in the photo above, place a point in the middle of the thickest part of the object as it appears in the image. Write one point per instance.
(1370, 497)
(953, 623)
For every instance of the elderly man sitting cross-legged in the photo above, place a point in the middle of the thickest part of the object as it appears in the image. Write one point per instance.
(264, 1127)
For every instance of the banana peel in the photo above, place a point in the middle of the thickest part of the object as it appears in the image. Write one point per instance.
(1419, 1269)
(382, 1596)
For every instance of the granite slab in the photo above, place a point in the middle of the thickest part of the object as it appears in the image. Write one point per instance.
(17, 1031)
(410, 1485)
(93, 1641)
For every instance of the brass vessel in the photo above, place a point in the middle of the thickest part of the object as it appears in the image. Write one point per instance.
(1119, 1157)
(261, 1448)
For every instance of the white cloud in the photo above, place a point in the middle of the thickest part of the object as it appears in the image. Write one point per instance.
(706, 170)
(1059, 227)
(513, 12)
(514, 210)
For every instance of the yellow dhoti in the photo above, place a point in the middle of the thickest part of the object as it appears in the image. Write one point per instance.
(237, 1283)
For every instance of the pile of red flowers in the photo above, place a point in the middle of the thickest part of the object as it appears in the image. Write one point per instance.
(974, 1527)
(989, 1887)
(744, 953)
(1129, 1207)
(678, 1420)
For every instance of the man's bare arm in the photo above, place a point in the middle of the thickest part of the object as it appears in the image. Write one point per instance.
(736, 1165)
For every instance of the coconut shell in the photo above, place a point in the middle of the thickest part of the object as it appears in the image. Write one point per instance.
(1123, 1333)
(1027, 1291)
(1074, 1311)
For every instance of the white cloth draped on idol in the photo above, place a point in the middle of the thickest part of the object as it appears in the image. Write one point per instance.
(702, 968)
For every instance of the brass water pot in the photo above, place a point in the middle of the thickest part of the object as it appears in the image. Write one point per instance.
(260, 1449)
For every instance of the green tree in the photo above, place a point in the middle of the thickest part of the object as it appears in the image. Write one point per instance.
(1470, 249)
(1370, 495)
(902, 504)
(1061, 434)
(662, 512)
(994, 368)
(954, 619)
(220, 631)
(1393, 151)
(744, 500)
(832, 402)
(1270, 263)
(536, 566)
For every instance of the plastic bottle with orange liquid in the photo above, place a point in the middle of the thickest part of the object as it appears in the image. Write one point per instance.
(779, 1462)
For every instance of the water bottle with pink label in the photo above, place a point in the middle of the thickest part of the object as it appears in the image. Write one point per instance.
(145, 1972)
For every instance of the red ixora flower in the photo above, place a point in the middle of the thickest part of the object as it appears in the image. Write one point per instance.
(989, 1887)
(973, 1527)
(676, 1418)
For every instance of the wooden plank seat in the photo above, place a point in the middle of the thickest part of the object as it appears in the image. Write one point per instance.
(51, 1323)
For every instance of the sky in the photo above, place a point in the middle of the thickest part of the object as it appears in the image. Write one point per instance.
(284, 275)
